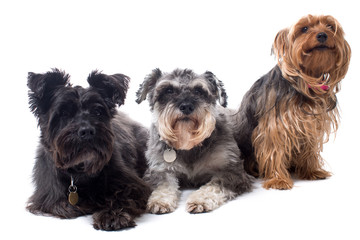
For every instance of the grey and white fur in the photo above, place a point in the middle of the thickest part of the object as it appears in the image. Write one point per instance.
(188, 120)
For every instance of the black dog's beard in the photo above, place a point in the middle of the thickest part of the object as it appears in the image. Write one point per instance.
(86, 156)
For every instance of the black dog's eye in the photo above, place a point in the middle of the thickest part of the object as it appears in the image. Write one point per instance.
(98, 112)
(304, 29)
(66, 112)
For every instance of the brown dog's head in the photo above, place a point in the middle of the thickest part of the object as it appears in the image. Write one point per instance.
(314, 50)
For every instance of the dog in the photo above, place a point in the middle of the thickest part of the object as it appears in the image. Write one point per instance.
(288, 114)
(91, 157)
(191, 143)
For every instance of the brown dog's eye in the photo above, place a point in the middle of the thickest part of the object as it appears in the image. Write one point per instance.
(331, 27)
(304, 29)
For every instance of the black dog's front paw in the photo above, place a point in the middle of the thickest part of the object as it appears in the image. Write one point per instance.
(112, 220)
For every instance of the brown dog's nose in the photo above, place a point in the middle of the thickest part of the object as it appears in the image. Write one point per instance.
(322, 37)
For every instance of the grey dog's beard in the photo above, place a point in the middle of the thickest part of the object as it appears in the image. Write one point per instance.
(185, 132)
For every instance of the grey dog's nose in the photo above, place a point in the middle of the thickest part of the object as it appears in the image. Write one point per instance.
(186, 108)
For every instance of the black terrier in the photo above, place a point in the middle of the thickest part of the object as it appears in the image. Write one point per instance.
(91, 157)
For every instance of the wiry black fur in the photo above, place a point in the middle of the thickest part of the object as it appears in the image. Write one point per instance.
(84, 137)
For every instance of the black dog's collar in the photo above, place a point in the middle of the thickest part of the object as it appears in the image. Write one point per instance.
(73, 197)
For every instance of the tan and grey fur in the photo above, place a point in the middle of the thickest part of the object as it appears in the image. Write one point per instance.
(188, 119)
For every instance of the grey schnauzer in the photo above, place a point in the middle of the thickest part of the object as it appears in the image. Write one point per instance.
(191, 142)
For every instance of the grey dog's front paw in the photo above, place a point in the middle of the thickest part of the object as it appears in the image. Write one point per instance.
(208, 198)
(199, 203)
(161, 207)
(163, 199)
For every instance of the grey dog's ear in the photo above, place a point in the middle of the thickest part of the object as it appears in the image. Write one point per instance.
(218, 87)
(148, 84)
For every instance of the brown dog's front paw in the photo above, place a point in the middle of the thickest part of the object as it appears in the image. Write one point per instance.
(277, 183)
(112, 220)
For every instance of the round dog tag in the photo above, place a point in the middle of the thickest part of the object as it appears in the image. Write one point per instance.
(169, 155)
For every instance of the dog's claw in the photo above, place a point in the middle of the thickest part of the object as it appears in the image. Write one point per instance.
(160, 208)
(196, 208)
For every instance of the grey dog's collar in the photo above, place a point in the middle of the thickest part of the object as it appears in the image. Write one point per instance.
(169, 154)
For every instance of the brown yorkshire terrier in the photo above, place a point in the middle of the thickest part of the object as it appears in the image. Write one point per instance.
(288, 114)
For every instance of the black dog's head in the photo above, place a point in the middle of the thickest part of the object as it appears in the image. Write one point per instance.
(183, 103)
(75, 122)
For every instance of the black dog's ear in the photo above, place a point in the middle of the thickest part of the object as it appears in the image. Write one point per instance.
(112, 88)
(219, 88)
(148, 84)
(42, 88)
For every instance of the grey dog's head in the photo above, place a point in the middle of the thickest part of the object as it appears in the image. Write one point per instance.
(183, 104)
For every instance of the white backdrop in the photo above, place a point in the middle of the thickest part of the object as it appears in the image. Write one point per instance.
(230, 38)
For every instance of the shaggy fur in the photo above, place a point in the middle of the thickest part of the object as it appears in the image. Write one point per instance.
(85, 140)
(188, 120)
(288, 114)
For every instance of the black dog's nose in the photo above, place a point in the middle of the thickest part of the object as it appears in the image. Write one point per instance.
(86, 132)
(322, 37)
(186, 108)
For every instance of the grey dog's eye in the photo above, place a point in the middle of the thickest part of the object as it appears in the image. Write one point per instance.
(198, 91)
(169, 90)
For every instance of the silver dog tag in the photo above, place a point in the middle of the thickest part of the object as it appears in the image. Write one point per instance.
(169, 155)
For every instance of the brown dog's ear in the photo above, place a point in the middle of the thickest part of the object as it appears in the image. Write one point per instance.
(148, 85)
(344, 60)
(281, 44)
